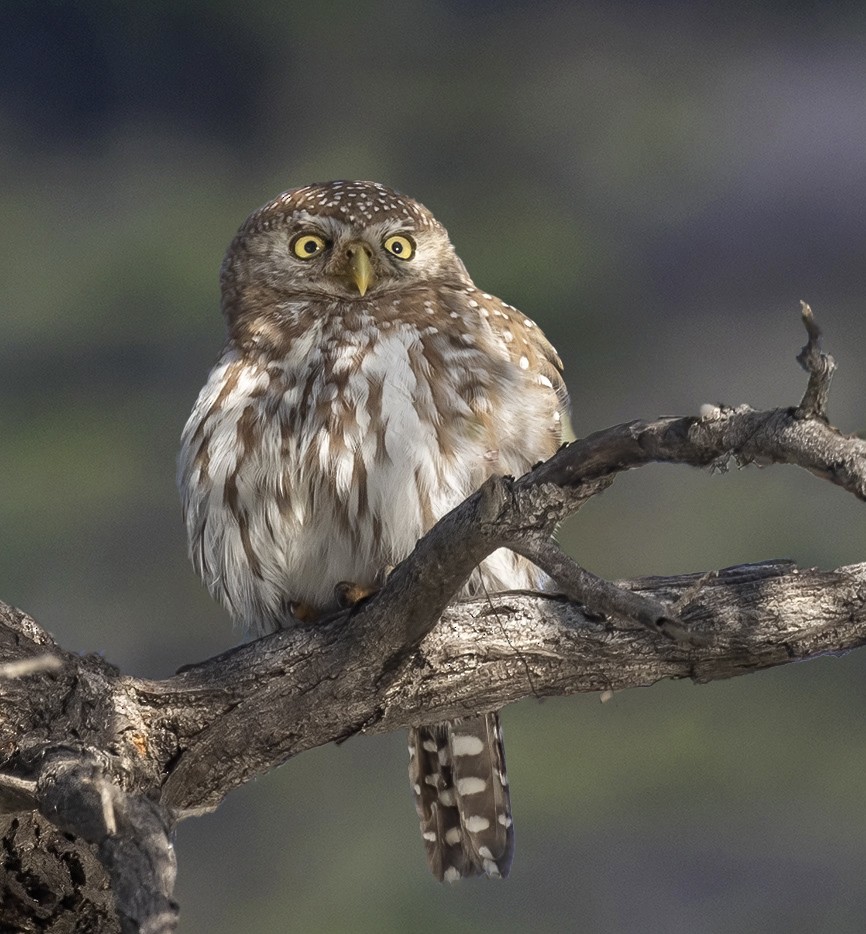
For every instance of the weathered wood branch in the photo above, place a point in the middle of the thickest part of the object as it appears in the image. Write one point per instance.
(115, 761)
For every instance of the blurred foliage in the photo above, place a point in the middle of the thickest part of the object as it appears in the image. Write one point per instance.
(658, 184)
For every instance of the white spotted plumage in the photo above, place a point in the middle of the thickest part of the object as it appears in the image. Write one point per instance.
(339, 425)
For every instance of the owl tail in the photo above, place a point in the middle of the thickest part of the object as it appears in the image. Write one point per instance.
(457, 771)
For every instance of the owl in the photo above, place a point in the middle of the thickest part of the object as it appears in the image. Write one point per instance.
(366, 388)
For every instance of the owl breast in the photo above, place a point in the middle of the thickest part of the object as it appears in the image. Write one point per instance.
(321, 452)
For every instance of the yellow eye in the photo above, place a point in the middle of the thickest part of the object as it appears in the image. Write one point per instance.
(400, 246)
(306, 246)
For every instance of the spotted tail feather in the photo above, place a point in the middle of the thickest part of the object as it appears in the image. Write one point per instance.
(457, 771)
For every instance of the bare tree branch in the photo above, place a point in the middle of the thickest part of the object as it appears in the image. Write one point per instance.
(130, 833)
(147, 753)
(820, 368)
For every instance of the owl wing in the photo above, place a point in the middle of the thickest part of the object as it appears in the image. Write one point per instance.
(523, 342)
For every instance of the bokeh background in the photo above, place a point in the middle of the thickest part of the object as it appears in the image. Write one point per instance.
(658, 184)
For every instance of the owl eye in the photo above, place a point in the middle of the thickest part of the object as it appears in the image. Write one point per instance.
(400, 246)
(306, 246)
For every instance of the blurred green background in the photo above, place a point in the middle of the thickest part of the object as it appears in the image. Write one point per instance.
(658, 184)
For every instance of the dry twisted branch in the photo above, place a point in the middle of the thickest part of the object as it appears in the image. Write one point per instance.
(147, 753)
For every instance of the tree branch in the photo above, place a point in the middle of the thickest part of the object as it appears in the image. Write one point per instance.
(149, 752)
(130, 833)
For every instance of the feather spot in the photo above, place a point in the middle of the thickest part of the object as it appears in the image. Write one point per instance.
(471, 786)
(464, 744)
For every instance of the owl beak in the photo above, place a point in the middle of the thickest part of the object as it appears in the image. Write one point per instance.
(360, 268)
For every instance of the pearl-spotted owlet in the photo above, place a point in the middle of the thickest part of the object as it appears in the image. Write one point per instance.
(367, 387)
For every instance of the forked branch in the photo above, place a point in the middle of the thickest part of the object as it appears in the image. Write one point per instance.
(149, 752)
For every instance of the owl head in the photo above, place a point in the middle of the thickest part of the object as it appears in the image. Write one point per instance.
(343, 240)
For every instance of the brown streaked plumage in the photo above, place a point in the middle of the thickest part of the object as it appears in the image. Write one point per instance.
(367, 387)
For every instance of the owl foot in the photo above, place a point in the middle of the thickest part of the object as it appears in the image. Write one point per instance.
(303, 612)
(348, 594)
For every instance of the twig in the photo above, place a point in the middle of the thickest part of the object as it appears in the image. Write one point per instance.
(35, 664)
(819, 366)
(601, 596)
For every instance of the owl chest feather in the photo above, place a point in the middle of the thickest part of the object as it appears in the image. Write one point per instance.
(327, 462)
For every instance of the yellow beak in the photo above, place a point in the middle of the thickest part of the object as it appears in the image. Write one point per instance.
(360, 268)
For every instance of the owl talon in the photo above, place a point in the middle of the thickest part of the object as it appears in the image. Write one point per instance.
(303, 612)
(348, 594)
